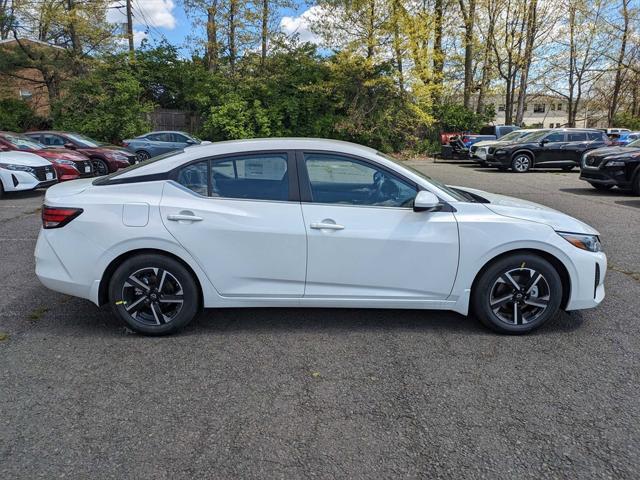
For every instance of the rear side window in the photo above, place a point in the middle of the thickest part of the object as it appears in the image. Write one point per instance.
(52, 140)
(555, 137)
(577, 137)
(194, 177)
(257, 177)
(487, 131)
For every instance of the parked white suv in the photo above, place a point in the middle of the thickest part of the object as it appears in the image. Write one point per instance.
(21, 171)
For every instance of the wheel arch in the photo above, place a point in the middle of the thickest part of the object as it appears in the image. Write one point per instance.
(103, 289)
(560, 267)
(527, 152)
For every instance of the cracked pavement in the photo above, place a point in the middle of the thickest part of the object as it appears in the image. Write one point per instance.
(302, 393)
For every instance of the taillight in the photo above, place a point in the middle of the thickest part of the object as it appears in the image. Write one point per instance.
(465, 139)
(56, 217)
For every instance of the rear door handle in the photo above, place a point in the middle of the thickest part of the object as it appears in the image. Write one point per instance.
(182, 217)
(326, 226)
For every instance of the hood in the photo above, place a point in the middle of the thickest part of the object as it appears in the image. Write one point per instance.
(23, 158)
(102, 149)
(534, 212)
(62, 154)
(487, 143)
(611, 151)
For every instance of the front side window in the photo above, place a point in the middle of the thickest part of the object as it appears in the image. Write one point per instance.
(53, 140)
(555, 137)
(257, 177)
(341, 180)
(595, 136)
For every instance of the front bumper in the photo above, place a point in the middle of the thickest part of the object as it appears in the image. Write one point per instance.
(615, 176)
(18, 181)
(587, 287)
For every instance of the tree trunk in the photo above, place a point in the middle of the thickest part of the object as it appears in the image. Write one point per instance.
(469, 19)
(486, 68)
(212, 37)
(438, 53)
(617, 84)
(532, 27)
(571, 111)
(233, 12)
(265, 30)
(397, 46)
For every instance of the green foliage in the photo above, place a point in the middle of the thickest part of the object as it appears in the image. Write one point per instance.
(457, 118)
(16, 115)
(626, 120)
(107, 103)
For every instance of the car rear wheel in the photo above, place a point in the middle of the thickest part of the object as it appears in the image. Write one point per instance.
(100, 167)
(599, 186)
(154, 294)
(143, 155)
(521, 163)
(517, 294)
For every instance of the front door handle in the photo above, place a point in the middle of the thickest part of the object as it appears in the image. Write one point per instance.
(326, 226)
(182, 217)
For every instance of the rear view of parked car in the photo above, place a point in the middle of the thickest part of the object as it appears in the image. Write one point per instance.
(68, 164)
(156, 143)
(610, 167)
(105, 158)
(22, 171)
(557, 148)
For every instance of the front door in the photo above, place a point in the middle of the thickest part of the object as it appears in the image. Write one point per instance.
(365, 240)
(240, 218)
(552, 151)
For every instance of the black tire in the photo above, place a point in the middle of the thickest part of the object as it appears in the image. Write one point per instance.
(494, 287)
(100, 167)
(521, 162)
(143, 155)
(1, 189)
(635, 185)
(601, 187)
(139, 285)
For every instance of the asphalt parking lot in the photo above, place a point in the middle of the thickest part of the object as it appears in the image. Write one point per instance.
(275, 393)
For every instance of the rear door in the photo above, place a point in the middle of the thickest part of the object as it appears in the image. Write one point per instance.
(577, 143)
(364, 239)
(240, 218)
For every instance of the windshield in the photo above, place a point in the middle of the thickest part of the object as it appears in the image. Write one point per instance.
(84, 141)
(635, 143)
(535, 136)
(514, 135)
(23, 143)
(107, 178)
(457, 194)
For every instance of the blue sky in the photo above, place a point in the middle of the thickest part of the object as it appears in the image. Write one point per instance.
(155, 19)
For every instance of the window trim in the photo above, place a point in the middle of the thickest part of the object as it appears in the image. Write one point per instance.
(294, 190)
(305, 183)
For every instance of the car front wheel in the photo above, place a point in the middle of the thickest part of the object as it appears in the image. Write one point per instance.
(517, 294)
(521, 163)
(153, 294)
(143, 155)
(100, 167)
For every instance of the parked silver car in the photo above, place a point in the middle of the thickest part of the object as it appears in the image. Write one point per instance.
(156, 143)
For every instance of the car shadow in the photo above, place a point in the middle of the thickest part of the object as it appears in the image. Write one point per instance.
(592, 192)
(23, 195)
(629, 203)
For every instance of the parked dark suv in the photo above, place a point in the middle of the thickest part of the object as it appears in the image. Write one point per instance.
(551, 148)
(609, 167)
(104, 157)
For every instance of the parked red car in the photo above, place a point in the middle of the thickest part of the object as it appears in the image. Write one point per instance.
(104, 157)
(68, 164)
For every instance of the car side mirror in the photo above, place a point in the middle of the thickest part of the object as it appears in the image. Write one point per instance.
(426, 201)
(191, 142)
(70, 146)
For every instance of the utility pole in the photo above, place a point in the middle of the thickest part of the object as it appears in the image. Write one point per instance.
(130, 30)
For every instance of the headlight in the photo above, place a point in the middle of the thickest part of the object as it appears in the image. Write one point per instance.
(20, 168)
(64, 162)
(615, 163)
(116, 156)
(500, 152)
(590, 243)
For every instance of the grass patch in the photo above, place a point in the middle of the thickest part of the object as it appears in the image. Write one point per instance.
(4, 336)
(38, 313)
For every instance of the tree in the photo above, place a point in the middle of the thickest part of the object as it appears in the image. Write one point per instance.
(468, 11)
(617, 83)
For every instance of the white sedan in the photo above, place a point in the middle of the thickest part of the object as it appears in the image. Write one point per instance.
(308, 223)
(21, 171)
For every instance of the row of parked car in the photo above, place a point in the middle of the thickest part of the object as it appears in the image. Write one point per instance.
(604, 161)
(40, 159)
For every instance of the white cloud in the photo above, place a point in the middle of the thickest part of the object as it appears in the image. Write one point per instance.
(301, 25)
(154, 13)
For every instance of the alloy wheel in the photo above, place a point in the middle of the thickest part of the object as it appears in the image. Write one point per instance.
(521, 163)
(520, 296)
(99, 167)
(152, 296)
(142, 156)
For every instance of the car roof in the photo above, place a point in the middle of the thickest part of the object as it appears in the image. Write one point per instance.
(230, 147)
